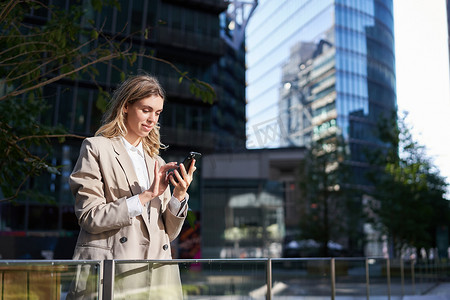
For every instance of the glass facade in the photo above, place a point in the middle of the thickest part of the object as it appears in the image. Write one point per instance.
(321, 71)
(318, 69)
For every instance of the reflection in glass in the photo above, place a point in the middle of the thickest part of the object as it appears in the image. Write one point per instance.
(29, 279)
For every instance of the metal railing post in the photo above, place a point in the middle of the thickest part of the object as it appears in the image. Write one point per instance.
(367, 279)
(108, 279)
(413, 277)
(402, 276)
(269, 279)
(333, 278)
(388, 273)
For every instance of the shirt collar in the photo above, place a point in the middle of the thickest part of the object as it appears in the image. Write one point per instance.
(130, 148)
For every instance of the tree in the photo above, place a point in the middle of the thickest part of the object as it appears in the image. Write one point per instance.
(63, 44)
(408, 196)
(329, 197)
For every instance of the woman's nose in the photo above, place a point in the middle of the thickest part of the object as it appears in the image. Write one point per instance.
(152, 117)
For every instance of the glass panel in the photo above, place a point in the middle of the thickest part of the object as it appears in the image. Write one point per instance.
(378, 277)
(402, 278)
(196, 278)
(293, 278)
(300, 277)
(350, 277)
(48, 279)
(424, 275)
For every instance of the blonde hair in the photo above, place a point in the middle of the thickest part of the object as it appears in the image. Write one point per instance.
(131, 90)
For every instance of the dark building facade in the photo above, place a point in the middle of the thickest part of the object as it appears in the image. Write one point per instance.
(188, 35)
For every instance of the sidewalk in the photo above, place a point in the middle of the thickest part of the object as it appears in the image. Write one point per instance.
(442, 288)
(439, 292)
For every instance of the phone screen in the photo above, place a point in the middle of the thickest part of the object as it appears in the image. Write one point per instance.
(188, 160)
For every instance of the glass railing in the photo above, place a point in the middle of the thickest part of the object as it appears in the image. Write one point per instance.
(188, 279)
(276, 278)
(48, 279)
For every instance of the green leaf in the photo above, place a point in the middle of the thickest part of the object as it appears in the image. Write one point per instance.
(101, 102)
(191, 218)
(94, 34)
(132, 59)
(192, 88)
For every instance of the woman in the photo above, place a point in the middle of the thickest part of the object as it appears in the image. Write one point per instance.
(123, 201)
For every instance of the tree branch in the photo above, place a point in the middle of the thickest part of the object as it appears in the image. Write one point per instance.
(56, 78)
(49, 136)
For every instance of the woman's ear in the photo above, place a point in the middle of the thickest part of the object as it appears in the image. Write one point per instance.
(125, 108)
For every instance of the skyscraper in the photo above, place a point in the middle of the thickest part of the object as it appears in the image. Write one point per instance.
(321, 71)
(319, 68)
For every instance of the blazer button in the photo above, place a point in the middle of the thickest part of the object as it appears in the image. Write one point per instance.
(165, 247)
(123, 239)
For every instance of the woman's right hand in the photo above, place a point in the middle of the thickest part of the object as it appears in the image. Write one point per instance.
(159, 184)
(183, 180)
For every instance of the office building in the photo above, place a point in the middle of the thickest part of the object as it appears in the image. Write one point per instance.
(245, 202)
(318, 67)
(317, 70)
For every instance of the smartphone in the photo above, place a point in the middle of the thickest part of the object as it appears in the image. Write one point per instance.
(188, 160)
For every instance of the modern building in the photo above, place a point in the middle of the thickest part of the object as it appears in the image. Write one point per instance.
(248, 202)
(186, 33)
(320, 69)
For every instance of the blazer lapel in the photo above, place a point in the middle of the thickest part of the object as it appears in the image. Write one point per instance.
(151, 176)
(150, 162)
(127, 165)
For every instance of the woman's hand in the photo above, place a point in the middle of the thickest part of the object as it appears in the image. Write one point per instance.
(182, 181)
(159, 184)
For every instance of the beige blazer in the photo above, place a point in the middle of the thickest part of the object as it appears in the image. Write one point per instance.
(102, 179)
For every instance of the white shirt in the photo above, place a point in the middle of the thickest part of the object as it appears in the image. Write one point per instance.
(135, 207)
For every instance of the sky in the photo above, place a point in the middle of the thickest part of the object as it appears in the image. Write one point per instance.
(423, 75)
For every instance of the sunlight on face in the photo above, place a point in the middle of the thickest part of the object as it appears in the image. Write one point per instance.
(141, 118)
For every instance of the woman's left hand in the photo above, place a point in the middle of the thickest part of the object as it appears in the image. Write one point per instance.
(182, 181)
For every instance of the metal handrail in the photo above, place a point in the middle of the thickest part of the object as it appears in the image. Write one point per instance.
(106, 272)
